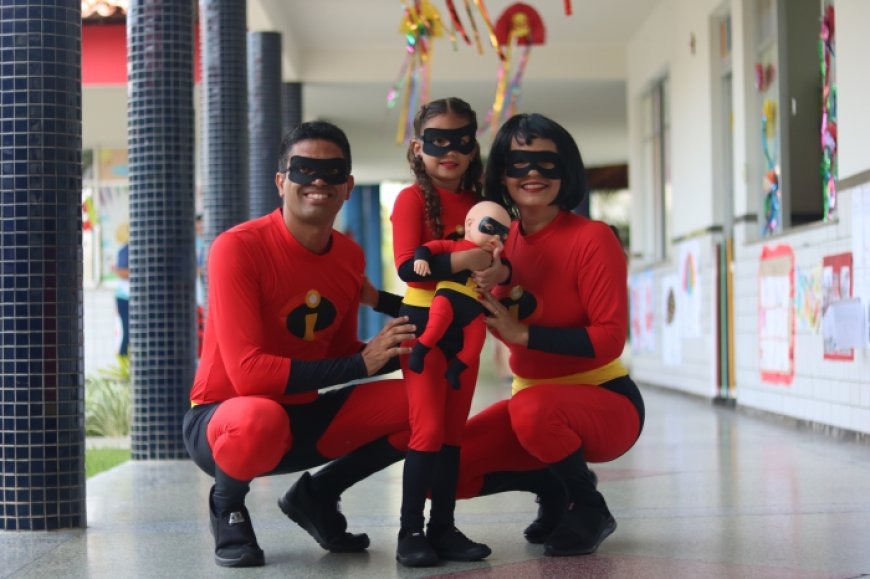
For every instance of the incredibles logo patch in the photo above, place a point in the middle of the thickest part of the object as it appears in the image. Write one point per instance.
(316, 314)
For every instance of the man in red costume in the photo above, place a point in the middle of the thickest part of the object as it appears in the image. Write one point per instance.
(284, 294)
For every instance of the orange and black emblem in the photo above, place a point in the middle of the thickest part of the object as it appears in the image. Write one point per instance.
(317, 313)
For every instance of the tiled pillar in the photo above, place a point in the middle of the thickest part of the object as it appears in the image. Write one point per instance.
(362, 221)
(291, 105)
(264, 107)
(225, 114)
(162, 255)
(42, 474)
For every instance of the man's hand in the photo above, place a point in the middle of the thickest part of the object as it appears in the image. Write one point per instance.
(473, 259)
(368, 294)
(386, 344)
(502, 322)
(488, 278)
(421, 267)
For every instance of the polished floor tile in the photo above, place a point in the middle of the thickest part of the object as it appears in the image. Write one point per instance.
(707, 492)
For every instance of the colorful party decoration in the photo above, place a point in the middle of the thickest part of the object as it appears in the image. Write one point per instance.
(519, 25)
(827, 54)
(420, 25)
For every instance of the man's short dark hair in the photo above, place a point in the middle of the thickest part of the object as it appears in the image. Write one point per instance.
(313, 130)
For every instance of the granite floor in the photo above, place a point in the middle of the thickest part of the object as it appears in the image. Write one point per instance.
(707, 492)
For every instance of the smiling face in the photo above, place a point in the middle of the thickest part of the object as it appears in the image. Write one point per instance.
(445, 167)
(533, 187)
(318, 202)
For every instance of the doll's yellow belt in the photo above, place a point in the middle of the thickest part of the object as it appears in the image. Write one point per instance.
(598, 376)
(420, 298)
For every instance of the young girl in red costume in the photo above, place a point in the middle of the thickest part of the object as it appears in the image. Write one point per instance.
(563, 316)
(445, 159)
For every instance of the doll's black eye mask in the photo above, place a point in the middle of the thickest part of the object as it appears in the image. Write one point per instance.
(439, 142)
(305, 170)
(547, 163)
(490, 226)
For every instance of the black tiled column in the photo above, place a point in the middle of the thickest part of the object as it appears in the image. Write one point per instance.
(42, 479)
(264, 108)
(225, 114)
(291, 105)
(162, 255)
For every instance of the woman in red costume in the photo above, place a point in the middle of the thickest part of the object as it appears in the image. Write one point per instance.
(445, 159)
(563, 316)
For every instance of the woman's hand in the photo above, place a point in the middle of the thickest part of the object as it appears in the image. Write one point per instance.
(489, 277)
(502, 322)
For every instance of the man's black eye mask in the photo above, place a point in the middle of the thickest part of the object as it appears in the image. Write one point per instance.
(305, 170)
(532, 160)
(454, 138)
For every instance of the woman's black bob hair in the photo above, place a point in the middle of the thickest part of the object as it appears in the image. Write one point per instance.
(525, 128)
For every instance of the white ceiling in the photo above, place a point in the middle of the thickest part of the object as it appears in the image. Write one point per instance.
(348, 54)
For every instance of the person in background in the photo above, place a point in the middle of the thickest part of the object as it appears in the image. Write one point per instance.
(200, 281)
(122, 289)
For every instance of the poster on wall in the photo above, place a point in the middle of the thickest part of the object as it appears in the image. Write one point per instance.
(808, 298)
(690, 288)
(643, 338)
(861, 251)
(776, 315)
(836, 286)
(672, 347)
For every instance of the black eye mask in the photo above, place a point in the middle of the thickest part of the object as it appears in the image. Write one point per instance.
(490, 226)
(305, 170)
(532, 160)
(454, 138)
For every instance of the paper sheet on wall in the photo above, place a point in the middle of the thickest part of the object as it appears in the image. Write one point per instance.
(776, 314)
(861, 251)
(808, 298)
(843, 325)
(689, 294)
(672, 348)
(643, 337)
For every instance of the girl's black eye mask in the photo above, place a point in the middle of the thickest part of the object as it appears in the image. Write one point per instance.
(439, 142)
(547, 163)
(305, 170)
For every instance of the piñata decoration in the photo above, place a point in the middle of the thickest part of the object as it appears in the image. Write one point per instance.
(420, 25)
(519, 25)
(827, 54)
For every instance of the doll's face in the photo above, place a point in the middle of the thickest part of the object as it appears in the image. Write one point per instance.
(487, 225)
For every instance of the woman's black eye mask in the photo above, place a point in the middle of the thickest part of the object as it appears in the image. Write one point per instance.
(454, 141)
(305, 170)
(521, 163)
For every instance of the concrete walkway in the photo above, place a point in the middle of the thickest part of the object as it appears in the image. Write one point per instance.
(707, 492)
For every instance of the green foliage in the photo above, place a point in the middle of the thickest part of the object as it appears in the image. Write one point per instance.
(99, 459)
(108, 411)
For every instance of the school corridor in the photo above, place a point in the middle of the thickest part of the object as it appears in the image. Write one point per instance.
(708, 492)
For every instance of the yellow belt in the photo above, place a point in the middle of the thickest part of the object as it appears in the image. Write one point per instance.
(458, 287)
(598, 376)
(420, 298)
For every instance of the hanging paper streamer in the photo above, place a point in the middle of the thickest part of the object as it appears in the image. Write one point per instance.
(420, 25)
(456, 24)
(519, 25)
(492, 37)
(827, 54)
(568, 10)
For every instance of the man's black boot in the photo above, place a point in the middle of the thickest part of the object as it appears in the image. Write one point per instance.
(321, 517)
(235, 544)
(452, 545)
(552, 506)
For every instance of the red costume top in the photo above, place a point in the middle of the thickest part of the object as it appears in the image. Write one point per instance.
(271, 300)
(571, 274)
(409, 223)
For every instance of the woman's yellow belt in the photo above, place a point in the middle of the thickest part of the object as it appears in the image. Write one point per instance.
(598, 376)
